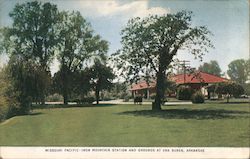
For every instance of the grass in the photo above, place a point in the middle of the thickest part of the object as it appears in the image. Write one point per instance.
(216, 125)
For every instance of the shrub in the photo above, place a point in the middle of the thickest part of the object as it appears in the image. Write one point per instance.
(198, 97)
(55, 98)
(3, 108)
(9, 106)
(86, 100)
(152, 96)
(184, 93)
(126, 99)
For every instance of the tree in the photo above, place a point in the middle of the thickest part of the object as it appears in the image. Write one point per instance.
(9, 104)
(238, 71)
(101, 78)
(33, 30)
(27, 79)
(212, 68)
(230, 89)
(120, 90)
(33, 37)
(77, 45)
(149, 45)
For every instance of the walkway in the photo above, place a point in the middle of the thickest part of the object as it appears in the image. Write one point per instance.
(120, 101)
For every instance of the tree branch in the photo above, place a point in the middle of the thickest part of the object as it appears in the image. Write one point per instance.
(151, 62)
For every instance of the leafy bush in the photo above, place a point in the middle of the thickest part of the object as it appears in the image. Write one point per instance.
(3, 108)
(85, 100)
(126, 99)
(9, 105)
(152, 96)
(184, 93)
(198, 97)
(55, 98)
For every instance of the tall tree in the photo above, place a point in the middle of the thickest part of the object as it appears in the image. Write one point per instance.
(28, 79)
(32, 36)
(77, 45)
(149, 45)
(101, 78)
(238, 70)
(33, 30)
(212, 68)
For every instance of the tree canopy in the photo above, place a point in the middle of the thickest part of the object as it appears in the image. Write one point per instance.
(101, 78)
(211, 67)
(33, 34)
(238, 71)
(77, 45)
(32, 38)
(149, 45)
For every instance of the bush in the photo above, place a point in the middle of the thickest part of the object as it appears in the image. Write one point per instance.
(9, 106)
(3, 108)
(184, 93)
(55, 98)
(86, 100)
(198, 97)
(152, 96)
(126, 99)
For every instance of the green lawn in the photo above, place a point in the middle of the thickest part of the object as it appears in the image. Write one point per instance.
(130, 125)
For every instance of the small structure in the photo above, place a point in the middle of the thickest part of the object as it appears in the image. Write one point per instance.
(143, 89)
(197, 80)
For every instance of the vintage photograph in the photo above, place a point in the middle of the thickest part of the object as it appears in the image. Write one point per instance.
(123, 73)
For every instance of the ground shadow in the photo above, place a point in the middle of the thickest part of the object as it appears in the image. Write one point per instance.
(37, 113)
(31, 114)
(48, 106)
(199, 114)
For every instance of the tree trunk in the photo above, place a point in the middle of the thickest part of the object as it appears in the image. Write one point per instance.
(160, 89)
(228, 96)
(164, 61)
(65, 98)
(97, 95)
(65, 85)
(43, 100)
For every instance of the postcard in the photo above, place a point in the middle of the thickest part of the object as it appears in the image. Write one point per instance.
(124, 79)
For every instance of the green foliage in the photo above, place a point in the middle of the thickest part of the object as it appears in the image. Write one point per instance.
(126, 99)
(184, 92)
(232, 89)
(30, 79)
(54, 98)
(9, 104)
(77, 45)
(212, 68)
(239, 71)
(170, 86)
(4, 105)
(149, 45)
(119, 90)
(247, 89)
(101, 78)
(89, 100)
(198, 97)
(229, 89)
(33, 34)
(85, 100)
(31, 40)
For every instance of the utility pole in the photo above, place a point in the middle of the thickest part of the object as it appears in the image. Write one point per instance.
(184, 64)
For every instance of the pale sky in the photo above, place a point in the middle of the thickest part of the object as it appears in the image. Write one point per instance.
(228, 20)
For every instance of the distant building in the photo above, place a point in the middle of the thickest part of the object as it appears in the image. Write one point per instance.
(197, 80)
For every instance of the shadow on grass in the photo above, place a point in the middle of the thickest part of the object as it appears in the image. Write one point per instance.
(200, 114)
(37, 113)
(48, 106)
